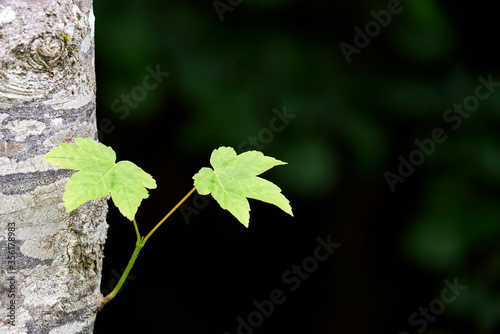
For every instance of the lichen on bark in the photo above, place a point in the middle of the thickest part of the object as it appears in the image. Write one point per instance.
(47, 96)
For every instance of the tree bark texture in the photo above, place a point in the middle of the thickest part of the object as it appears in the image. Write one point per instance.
(50, 260)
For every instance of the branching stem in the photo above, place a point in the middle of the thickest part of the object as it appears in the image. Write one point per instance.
(168, 214)
(141, 241)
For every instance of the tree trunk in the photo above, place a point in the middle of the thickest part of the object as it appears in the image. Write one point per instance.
(50, 261)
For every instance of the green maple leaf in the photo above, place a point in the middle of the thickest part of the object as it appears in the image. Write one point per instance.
(99, 174)
(233, 179)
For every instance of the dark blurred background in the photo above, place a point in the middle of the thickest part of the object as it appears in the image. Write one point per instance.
(231, 70)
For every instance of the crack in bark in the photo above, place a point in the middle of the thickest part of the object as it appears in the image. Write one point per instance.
(22, 183)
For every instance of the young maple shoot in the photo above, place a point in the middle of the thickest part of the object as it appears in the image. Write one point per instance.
(231, 181)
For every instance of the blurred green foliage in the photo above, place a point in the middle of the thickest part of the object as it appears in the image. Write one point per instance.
(353, 120)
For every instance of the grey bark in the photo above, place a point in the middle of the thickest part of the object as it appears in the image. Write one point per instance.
(50, 261)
